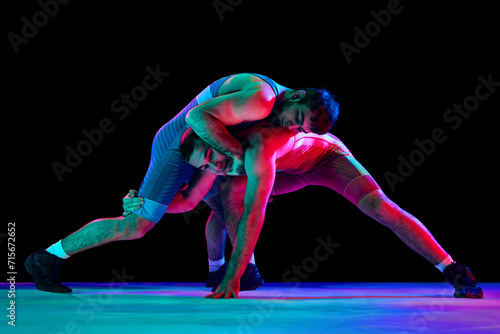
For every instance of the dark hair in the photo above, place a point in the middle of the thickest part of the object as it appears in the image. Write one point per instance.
(324, 107)
(187, 142)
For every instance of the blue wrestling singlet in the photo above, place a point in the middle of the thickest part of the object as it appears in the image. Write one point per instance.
(167, 169)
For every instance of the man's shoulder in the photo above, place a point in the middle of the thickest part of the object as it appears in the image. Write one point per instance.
(265, 132)
(245, 81)
(267, 138)
(263, 145)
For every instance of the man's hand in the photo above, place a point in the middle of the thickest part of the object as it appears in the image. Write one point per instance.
(227, 289)
(131, 202)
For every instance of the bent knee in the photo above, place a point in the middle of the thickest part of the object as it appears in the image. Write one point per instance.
(134, 226)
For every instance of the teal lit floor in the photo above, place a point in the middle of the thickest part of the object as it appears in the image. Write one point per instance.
(138, 308)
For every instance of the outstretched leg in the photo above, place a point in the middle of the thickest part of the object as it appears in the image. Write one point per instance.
(45, 266)
(346, 176)
(414, 234)
(103, 231)
(408, 228)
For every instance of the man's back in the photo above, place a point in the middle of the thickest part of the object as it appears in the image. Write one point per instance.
(295, 153)
(304, 151)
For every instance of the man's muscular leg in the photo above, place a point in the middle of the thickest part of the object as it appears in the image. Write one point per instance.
(408, 228)
(103, 231)
(376, 205)
(45, 266)
(215, 234)
(346, 176)
(418, 238)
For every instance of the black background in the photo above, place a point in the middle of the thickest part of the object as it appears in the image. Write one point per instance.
(394, 91)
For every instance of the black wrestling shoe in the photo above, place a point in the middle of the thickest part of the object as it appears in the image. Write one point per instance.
(214, 278)
(464, 282)
(46, 271)
(250, 280)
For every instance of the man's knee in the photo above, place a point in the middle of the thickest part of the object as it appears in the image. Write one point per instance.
(133, 227)
(378, 206)
(215, 204)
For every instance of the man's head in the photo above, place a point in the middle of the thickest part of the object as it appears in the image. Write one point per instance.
(199, 154)
(307, 110)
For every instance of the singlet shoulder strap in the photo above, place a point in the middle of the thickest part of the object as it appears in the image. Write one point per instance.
(270, 81)
(214, 87)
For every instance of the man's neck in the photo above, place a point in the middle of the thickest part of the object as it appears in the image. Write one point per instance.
(284, 96)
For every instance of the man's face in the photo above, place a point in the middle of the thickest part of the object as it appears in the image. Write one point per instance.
(293, 116)
(206, 158)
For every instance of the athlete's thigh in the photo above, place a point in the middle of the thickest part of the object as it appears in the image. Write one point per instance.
(215, 203)
(166, 174)
(286, 183)
(345, 175)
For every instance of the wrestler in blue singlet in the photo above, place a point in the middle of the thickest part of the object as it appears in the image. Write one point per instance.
(167, 170)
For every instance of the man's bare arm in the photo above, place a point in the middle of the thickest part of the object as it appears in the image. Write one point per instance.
(260, 168)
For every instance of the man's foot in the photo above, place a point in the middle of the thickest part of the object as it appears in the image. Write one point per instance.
(46, 270)
(250, 280)
(464, 282)
(214, 278)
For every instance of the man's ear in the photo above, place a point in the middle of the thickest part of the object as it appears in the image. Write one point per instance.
(298, 95)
